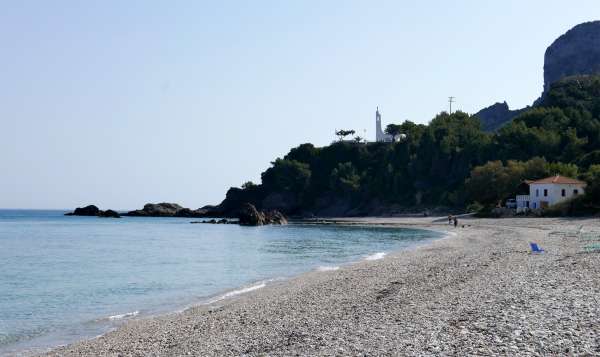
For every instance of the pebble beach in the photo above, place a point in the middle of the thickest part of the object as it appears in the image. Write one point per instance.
(477, 292)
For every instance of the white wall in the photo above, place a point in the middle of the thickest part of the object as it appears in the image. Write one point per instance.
(554, 193)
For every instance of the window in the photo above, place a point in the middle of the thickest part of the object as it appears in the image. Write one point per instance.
(575, 191)
(537, 192)
(564, 192)
(545, 192)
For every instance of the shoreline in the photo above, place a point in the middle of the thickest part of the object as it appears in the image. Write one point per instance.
(372, 306)
(116, 320)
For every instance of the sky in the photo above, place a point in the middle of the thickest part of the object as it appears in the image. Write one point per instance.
(120, 103)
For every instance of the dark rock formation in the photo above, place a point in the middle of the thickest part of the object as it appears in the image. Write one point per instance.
(109, 214)
(248, 215)
(494, 116)
(275, 217)
(577, 52)
(185, 212)
(90, 210)
(170, 210)
(156, 210)
(93, 211)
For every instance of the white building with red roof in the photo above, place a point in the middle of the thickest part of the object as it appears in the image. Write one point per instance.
(549, 191)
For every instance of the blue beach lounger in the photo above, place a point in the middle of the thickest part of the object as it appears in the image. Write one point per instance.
(535, 248)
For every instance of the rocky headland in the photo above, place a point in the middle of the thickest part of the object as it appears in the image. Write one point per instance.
(244, 214)
(575, 53)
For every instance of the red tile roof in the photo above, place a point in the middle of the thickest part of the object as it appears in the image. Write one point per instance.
(558, 180)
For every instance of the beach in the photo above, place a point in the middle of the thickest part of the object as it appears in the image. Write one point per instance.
(476, 292)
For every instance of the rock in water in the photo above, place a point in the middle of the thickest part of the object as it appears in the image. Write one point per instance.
(275, 217)
(577, 52)
(157, 210)
(93, 211)
(90, 210)
(109, 214)
(248, 215)
(184, 212)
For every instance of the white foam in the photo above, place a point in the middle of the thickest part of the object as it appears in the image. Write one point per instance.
(450, 234)
(243, 290)
(328, 268)
(376, 256)
(122, 316)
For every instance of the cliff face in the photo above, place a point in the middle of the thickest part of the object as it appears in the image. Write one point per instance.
(576, 52)
(496, 115)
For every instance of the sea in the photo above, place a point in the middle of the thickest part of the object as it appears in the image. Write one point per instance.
(66, 278)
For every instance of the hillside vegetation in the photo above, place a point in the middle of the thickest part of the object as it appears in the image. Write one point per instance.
(450, 162)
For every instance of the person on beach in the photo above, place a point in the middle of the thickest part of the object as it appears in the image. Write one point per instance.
(455, 222)
(450, 219)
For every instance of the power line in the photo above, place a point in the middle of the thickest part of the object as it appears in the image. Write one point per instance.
(450, 101)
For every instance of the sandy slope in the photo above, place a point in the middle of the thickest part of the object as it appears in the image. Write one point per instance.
(479, 292)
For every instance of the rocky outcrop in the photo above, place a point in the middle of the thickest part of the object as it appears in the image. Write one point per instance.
(93, 211)
(90, 210)
(577, 52)
(171, 210)
(248, 215)
(496, 115)
(109, 214)
(275, 217)
(157, 210)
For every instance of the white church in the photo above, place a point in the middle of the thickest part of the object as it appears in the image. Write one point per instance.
(380, 135)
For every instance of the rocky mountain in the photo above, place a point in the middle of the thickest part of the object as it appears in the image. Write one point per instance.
(577, 52)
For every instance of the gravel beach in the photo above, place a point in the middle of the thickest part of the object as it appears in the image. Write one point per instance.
(477, 292)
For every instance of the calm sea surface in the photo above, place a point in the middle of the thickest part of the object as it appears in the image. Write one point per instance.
(68, 278)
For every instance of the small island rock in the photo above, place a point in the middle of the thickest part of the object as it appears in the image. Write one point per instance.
(93, 211)
(90, 210)
(109, 214)
(248, 215)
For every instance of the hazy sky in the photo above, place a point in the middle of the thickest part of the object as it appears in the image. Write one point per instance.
(120, 103)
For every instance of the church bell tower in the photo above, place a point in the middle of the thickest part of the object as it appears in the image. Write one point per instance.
(379, 134)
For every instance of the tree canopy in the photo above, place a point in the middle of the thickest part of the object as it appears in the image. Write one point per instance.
(449, 162)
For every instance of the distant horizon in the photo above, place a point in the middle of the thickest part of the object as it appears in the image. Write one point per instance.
(123, 104)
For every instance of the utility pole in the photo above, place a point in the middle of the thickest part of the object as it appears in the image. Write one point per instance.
(450, 101)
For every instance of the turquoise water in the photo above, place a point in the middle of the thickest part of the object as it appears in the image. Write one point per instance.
(68, 278)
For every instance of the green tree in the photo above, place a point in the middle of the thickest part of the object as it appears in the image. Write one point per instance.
(344, 178)
(248, 185)
(287, 175)
(393, 130)
(343, 133)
